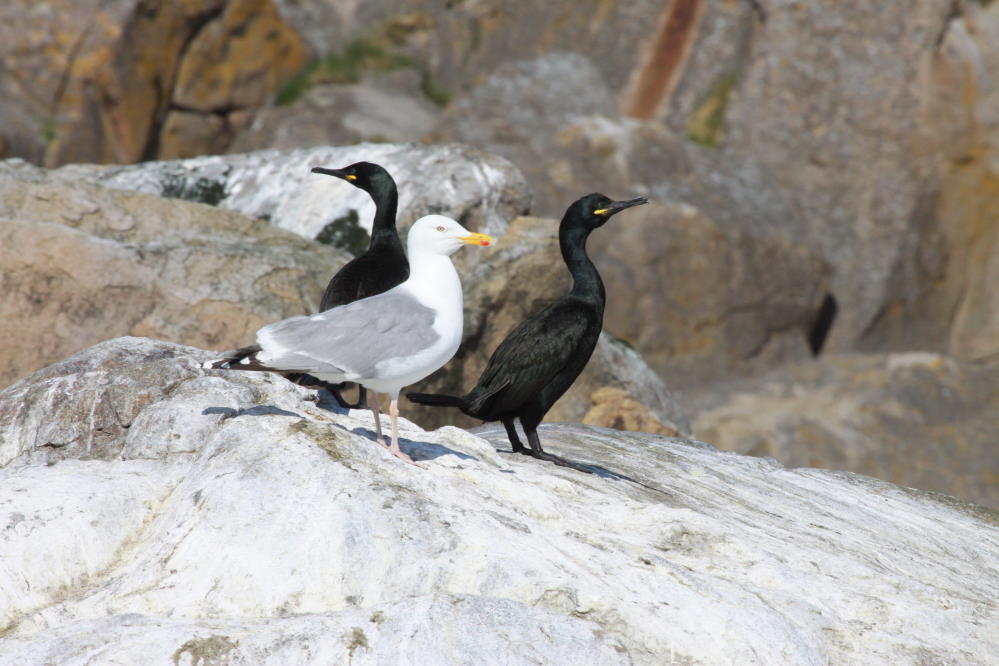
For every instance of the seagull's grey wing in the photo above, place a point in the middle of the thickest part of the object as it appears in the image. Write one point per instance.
(351, 339)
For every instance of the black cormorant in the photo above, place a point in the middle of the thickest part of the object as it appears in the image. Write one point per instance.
(542, 357)
(382, 266)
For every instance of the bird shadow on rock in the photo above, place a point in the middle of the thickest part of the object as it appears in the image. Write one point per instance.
(258, 410)
(416, 449)
(590, 468)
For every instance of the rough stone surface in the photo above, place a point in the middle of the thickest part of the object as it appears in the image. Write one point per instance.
(523, 105)
(851, 147)
(611, 407)
(885, 171)
(236, 520)
(478, 189)
(80, 264)
(917, 419)
(93, 81)
(957, 311)
(388, 108)
(705, 298)
(440, 629)
(519, 276)
(460, 43)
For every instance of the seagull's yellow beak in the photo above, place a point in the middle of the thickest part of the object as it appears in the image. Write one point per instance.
(477, 239)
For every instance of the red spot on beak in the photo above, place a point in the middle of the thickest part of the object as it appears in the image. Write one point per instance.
(483, 243)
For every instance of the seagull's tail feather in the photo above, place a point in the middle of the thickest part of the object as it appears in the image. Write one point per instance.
(244, 358)
(437, 400)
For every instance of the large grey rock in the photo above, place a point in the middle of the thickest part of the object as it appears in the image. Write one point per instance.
(879, 159)
(916, 418)
(851, 147)
(706, 297)
(236, 520)
(388, 108)
(522, 109)
(458, 44)
(479, 189)
(443, 629)
(81, 263)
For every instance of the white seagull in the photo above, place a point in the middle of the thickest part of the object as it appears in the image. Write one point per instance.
(383, 342)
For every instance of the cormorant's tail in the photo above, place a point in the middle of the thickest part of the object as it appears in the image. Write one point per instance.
(437, 399)
(244, 358)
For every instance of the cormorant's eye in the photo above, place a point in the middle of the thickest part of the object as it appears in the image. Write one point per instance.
(440, 228)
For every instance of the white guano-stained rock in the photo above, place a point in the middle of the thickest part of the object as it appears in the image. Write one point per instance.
(228, 517)
(480, 189)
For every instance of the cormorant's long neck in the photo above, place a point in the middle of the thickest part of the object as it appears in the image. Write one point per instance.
(383, 229)
(586, 282)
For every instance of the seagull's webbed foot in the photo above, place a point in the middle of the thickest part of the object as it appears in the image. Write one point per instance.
(394, 448)
(402, 455)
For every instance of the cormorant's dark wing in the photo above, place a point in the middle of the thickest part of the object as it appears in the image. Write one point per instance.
(535, 352)
(367, 275)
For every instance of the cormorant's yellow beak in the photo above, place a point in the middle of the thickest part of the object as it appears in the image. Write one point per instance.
(477, 239)
(618, 206)
(339, 173)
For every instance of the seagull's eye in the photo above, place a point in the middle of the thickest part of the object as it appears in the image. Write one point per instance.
(440, 228)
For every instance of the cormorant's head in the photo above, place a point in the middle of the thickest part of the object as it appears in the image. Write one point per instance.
(365, 175)
(595, 209)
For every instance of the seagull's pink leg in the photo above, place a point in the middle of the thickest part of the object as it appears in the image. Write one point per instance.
(378, 422)
(394, 417)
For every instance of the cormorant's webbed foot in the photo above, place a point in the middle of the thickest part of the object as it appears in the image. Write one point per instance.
(561, 462)
(511, 434)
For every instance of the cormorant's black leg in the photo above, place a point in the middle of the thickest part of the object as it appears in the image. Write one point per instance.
(308, 381)
(539, 453)
(362, 395)
(335, 392)
(362, 398)
(511, 433)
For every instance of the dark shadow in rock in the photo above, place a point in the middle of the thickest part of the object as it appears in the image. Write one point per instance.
(258, 410)
(417, 450)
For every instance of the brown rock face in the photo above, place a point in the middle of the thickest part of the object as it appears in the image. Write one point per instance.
(614, 408)
(867, 134)
(703, 298)
(80, 264)
(916, 419)
(958, 309)
(100, 79)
